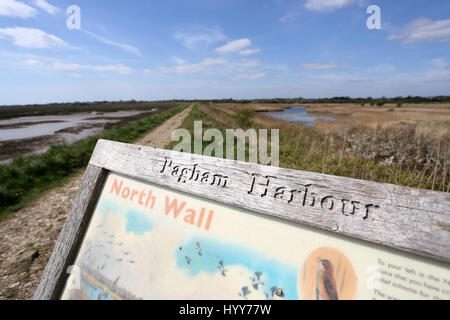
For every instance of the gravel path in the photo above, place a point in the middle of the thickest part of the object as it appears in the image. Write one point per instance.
(28, 236)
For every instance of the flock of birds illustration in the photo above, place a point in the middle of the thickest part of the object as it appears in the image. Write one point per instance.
(107, 239)
(245, 291)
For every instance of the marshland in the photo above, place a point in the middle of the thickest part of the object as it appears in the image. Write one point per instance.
(405, 144)
(26, 130)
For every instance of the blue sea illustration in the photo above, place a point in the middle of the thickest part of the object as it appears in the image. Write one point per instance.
(138, 221)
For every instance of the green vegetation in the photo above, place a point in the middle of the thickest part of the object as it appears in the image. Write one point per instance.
(244, 117)
(27, 177)
(354, 155)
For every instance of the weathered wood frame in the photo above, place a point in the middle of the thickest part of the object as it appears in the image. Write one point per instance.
(411, 220)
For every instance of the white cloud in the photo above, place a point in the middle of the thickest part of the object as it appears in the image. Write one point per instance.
(218, 66)
(251, 76)
(62, 66)
(436, 75)
(50, 64)
(248, 63)
(249, 52)
(439, 63)
(382, 68)
(213, 61)
(31, 38)
(16, 9)
(201, 67)
(233, 46)
(320, 66)
(152, 72)
(290, 17)
(424, 29)
(32, 62)
(327, 5)
(178, 60)
(113, 68)
(123, 46)
(44, 5)
(333, 77)
(199, 37)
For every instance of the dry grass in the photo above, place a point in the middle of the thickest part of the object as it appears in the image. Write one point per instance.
(402, 154)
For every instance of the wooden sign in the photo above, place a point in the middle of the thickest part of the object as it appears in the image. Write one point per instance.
(157, 224)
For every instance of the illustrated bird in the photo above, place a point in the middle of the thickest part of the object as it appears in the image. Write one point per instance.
(222, 269)
(271, 295)
(115, 282)
(199, 249)
(326, 284)
(244, 292)
(256, 280)
(273, 290)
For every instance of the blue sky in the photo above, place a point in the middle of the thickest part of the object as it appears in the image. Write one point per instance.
(203, 49)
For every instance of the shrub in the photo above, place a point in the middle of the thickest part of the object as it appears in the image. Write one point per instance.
(244, 117)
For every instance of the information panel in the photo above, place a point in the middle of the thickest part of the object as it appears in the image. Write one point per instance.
(145, 241)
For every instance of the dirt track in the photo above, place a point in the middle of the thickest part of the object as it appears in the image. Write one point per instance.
(27, 237)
